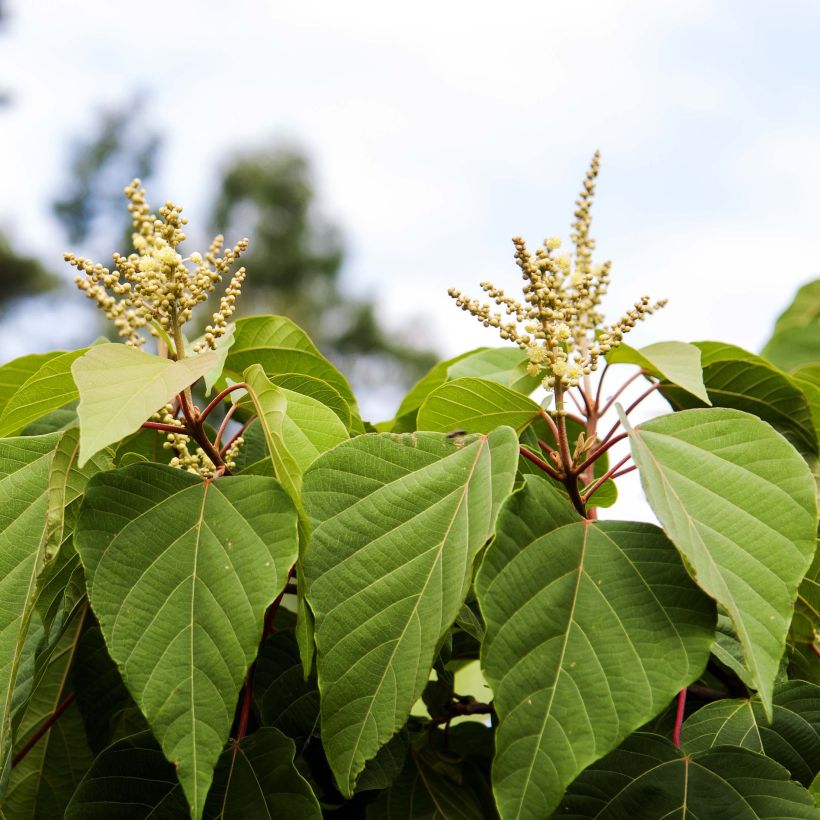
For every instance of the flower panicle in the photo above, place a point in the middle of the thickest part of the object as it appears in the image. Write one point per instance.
(155, 287)
(559, 322)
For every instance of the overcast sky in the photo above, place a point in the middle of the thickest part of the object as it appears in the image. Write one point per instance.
(440, 130)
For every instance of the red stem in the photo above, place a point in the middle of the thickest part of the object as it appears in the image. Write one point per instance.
(620, 391)
(545, 447)
(52, 719)
(598, 452)
(221, 395)
(168, 428)
(540, 463)
(640, 398)
(599, 391)
(247, 691)
(548, 418)
(221, 430)
(242, 429)
(624, 472)
(679, 718)
(608, 474)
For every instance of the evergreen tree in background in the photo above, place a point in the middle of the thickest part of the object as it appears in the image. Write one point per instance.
(295, 257)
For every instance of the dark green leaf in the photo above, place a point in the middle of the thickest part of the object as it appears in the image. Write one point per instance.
(398, 521)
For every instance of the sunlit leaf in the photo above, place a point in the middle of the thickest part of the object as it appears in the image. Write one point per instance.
(739, 503)
(120, 388)
(180, 572)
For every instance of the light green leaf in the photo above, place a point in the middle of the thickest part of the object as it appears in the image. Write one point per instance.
(280, 346)
(738, 379)
(15, 373)
(804, 309)
(47, 388)
(792, 738)
(317, 389)
(592, 627)
(223, 347)
(504, 365)
(728, 650)
(398, 522)
(120, 388)
(42, 783)
(648, 771)
(795, 347)
(475, 406)
(405, 420)
(257, 778)
(805, 628)
(677, 362)
(179, 573)
(739, 503)
(130, 780)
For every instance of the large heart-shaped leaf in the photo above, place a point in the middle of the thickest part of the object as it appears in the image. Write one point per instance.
(792, 738)
(475, 406)
(739, 503)
(120, 388)
(398, 521)
(677, 362)
(647, 773)
(592, 627)
(48, 388)
(738, 379)
(505, 365)
(180, 572)
(794, 347)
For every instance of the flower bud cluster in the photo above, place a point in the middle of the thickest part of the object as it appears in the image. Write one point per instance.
(559, 323)
(154, 287)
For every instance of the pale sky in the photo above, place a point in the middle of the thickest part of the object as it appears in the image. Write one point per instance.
(440, 130)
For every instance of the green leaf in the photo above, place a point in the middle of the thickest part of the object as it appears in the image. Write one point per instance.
(427, 790)
(299, 424)
(739, 503)
(283, 698)
(792, 738)
(15, 373)
(42, 783)
(130, 780)
(398, 521)
(793, 348)
(180, 572)
(738, 379)
(223, 347)
(120, 388)
(475, 406)
(648, 771)
(108, 710)
(316, 389)
(728, 650)
(47, 388)
(592, 627)
(804, 309)
(405, 420)
(805, 627)
(505, 365)
(280, 346)
(38, 482)
(256, 778)
(677, 362)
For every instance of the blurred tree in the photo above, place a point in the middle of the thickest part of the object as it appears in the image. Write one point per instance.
(21, 276)
(120, 150)
(294, 262)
